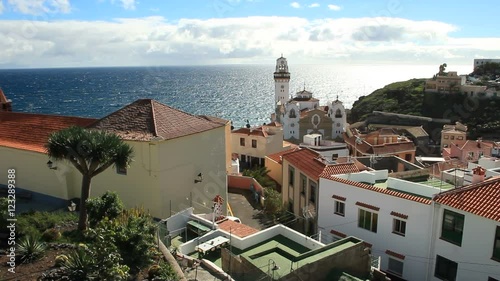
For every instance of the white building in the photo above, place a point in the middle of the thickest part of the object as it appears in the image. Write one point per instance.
(479, 62)
(467, 233)
(302, 114)
(394, 216)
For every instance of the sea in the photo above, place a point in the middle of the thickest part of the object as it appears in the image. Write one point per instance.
(233, 92)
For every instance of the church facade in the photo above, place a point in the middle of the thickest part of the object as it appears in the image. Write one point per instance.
(302, 114)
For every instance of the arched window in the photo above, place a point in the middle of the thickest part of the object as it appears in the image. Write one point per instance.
(292, 113)
(338, 113)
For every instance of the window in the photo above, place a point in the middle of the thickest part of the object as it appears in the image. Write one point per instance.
(408, 157)
(399, 227)
(445, 137)
(496, 245)
(242, 141)
(452, 137)
(367, 220)
(254, 143)
(453, 225)
(291, 175)
(460, 138)
(445, 269)
(303, 184)
(312, 195)
(121, 171)
(292, 113)
(395, 266)
(339, 208)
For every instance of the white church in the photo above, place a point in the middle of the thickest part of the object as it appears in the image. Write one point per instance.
(302, 115)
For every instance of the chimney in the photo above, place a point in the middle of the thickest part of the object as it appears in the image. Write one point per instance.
(478, 174)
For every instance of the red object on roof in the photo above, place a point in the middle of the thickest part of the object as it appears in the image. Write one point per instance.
(28, 131)
(238, 229)
(482, 199)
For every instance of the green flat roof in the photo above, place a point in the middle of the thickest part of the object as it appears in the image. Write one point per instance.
(288, 254)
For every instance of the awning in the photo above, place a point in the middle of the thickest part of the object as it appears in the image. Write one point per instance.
(197, 227)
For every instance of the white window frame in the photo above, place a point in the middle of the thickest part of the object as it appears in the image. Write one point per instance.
(338, 203)
(394, 271)
(395, 229)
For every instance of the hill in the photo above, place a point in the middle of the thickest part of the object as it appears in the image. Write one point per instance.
(481, 115)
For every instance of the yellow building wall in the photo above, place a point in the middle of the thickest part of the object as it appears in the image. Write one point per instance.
(181, 160)
(161, 175)
(33, 174)
(275, 171)
(228, 142)
(139, 187)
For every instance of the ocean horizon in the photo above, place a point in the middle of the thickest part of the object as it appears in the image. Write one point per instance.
(233, 92)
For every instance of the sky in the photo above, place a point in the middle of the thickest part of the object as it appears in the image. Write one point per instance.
(80, 33)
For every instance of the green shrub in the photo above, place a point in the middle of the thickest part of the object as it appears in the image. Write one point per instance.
(51, 235)
(35, 223)
(60, 260)
(80, 265)
(108, 205)
(166, 272)
(30, 248)
(154, 271)
(3, 213)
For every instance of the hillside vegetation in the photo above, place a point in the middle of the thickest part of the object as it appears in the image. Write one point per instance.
(400, 97)
(481, 115)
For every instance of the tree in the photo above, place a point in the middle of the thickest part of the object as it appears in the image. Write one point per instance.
(91, 152)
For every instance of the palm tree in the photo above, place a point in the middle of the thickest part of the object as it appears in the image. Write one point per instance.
(91, 152)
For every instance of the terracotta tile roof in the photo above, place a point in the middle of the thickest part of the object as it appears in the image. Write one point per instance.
(337, 169)
(29, 131)
(277, 157)
(382, 190)
(238, 229)
(146, 119)
(417, 131)
(307, 162)
(482, 199)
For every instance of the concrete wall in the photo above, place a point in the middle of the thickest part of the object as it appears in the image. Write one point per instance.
(412, 187)
(353, 260)
(415, 243)
(180, 161)
(474, 255)
(176, 223)
(32, 173)
(243, 183)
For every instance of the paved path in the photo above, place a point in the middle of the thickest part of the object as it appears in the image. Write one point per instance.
(245, 208)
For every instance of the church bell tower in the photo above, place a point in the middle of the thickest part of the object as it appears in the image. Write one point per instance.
(281, 81)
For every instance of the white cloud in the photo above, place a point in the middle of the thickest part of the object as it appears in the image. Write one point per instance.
(295, 5)
(334, 7)
(39, 7)
(314, 5)
(128, 4)
(156, 41)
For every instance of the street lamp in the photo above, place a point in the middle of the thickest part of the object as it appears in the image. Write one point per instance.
(51, 166)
